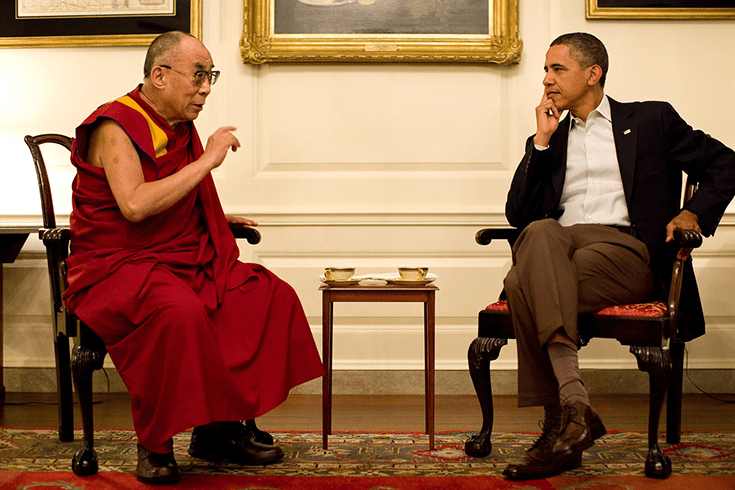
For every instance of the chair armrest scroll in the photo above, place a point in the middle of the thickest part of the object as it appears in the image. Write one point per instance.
(55, 236)
(688, 238)
(487, 235)
(56, 241)
(684, 239)
(246, 232)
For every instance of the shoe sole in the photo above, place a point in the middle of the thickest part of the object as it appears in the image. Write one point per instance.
(567, 466)
(596, 431)
(168, 480)
(222, 459)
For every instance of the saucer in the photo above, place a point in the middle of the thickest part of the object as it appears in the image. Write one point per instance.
(345, 282)
(398, 281)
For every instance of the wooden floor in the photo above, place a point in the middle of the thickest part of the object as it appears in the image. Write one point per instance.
(387, 413)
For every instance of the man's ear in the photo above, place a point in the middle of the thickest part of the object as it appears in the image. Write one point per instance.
(158, 77)
(595, 75)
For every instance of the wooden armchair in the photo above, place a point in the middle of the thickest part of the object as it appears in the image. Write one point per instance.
(89, 351)
(650, 329)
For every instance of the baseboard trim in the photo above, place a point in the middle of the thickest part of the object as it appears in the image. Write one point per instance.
(504, 382)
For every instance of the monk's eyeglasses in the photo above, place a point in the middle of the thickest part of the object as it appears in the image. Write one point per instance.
(198, 76)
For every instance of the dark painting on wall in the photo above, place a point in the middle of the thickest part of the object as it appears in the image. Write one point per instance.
(660, 9)
(397, 31)
(60, 23)
(381, 17)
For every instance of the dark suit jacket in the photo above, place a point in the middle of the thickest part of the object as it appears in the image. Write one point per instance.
(654, 145)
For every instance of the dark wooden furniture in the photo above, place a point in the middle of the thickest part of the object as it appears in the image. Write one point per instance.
(388, 293)
(650, 330)
(12, 238)
(89, 351)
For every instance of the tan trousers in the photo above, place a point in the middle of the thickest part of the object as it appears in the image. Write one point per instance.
(559, 272)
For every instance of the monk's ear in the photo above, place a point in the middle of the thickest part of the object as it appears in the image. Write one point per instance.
(158, 76)
(595, 74)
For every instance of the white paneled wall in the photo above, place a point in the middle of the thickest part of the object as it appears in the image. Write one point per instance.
(374, 166)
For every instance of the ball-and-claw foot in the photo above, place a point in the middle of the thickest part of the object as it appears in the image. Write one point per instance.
(84, 463)
(478, 446)
(658, 465)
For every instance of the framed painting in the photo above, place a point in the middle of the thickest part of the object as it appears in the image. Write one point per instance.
(469, 31)
(660, 9)
(44, 23)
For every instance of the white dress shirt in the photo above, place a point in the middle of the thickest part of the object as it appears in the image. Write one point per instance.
(593, 187)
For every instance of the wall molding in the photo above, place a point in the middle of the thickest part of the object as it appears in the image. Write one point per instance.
(504, 382)
(359, 216)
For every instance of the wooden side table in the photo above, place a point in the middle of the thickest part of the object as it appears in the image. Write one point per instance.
(388, 293)
(12, 238)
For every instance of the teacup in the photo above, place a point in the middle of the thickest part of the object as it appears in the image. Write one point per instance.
(413, 273)
(338, 273)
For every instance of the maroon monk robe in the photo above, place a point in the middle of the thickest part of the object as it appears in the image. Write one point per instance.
(196, 335)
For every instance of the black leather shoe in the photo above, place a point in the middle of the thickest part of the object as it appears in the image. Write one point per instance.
(258, 435)
(231, 442)
(538, 461)
(156, 468)
(581, 427)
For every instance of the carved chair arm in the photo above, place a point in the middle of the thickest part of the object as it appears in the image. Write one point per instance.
(487, 235)
(56, 241)
(685, 239)
(246, 232)
(55, 237)
(688, 238)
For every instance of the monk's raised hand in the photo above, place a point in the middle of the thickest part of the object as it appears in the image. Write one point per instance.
(220, 142)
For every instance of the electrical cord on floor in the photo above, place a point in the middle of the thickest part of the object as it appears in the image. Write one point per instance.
(104, 371)
(686, 370)
(30, 404)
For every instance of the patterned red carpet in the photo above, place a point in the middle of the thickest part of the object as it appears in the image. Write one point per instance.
(401, 461)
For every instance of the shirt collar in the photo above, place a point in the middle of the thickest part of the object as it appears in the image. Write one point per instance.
(602, 110)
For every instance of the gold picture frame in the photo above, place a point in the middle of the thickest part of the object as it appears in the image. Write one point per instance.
(637, 9)
(263, 41)
(89, 28)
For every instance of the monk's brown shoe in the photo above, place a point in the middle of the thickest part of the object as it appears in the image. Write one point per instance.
(156, 468)
(233, 443)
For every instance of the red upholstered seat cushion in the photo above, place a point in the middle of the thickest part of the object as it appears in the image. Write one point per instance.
(656, 309)
(501, 305)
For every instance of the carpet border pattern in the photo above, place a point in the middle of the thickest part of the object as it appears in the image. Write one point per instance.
(375, 454)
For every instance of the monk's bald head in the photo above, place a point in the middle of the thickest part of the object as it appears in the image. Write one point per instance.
(163, 50)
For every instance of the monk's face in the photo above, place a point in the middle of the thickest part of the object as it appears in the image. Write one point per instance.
(184, 99)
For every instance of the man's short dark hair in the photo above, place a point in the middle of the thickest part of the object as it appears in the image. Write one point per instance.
(587, 50)
(160, 50)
